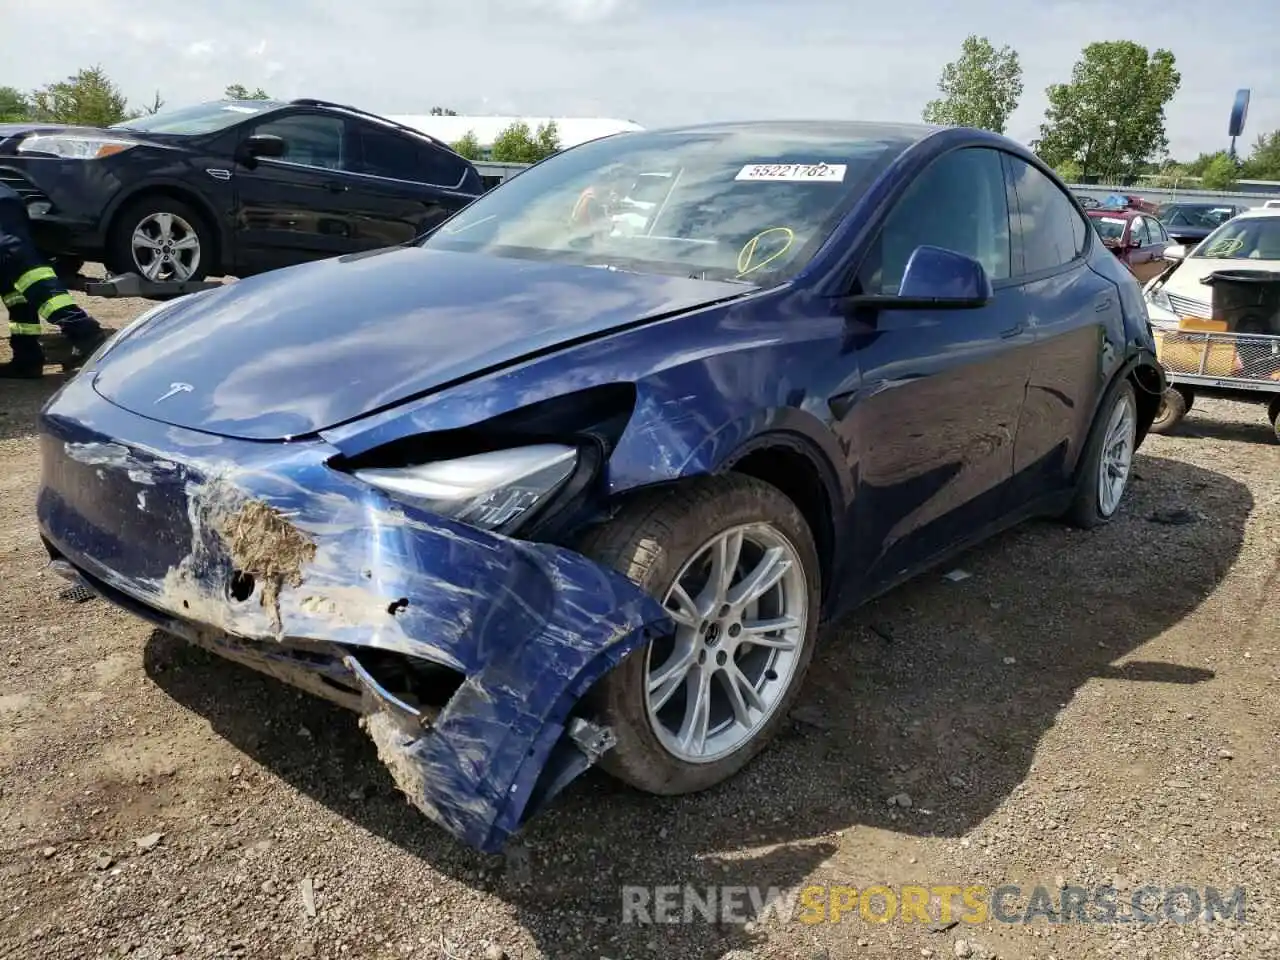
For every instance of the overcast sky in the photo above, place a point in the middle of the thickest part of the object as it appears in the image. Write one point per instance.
(655, 62)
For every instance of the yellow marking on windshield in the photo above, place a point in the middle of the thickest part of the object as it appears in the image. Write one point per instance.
(748, 250)
(1224, 247)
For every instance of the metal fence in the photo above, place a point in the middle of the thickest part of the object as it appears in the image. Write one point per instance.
(1194, 194)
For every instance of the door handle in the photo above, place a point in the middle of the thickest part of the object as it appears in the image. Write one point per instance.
(333, 187)
(1013, 331)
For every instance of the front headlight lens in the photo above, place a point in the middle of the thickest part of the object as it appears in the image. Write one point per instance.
(1159, 309)
(77, 147)
(488, 490)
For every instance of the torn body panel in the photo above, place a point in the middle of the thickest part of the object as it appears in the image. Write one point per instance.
(266, 555)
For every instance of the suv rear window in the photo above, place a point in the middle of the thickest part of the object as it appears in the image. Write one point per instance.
(385, 153)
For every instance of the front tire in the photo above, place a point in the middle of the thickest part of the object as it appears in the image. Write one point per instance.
(1107, 462)
(160, 239)
(735, 564)
(1273, 414)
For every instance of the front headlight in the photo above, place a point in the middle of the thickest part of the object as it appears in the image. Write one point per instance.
(1159, 309)
(75, 146)
(487, 490)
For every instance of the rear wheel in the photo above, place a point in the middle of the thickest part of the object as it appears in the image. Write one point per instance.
(1174, 404)
(735, 565)
(160, 239)
(1107, 461)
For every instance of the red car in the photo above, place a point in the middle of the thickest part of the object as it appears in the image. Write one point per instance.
(1137, 238)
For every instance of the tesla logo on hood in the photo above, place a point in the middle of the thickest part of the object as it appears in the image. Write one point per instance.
(174, 390)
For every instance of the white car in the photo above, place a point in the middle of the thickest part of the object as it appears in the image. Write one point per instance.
(1250, 240)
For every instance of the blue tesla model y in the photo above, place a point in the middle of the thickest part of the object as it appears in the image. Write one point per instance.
(575, 477)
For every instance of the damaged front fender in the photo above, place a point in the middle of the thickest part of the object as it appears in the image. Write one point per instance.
(256, 550)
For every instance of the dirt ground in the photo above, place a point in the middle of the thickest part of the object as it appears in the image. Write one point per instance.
(1084, 708)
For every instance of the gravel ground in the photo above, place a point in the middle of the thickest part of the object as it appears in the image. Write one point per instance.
(1083, 708)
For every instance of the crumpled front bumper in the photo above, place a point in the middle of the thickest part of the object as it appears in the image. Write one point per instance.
(259, 551)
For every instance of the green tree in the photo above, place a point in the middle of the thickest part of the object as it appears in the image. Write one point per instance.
(980, 89)
(468, 146)
(1221, 173)
(238, 91)
(1069, 171)
(547, 139)
(1197, 167)
(443, 112)
(88, 98)
(518, 144)
(1110, 117)
(1263, 162)
(13, 105)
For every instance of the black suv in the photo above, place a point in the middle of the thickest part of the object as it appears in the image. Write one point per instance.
(233, 187)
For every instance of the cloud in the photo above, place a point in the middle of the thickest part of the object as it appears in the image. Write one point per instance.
(653, 61)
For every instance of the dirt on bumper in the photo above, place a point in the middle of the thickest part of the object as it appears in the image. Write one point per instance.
(250, 548)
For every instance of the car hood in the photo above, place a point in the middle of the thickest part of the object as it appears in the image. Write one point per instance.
(1186, 281)
(296, 351)
(1196, 233)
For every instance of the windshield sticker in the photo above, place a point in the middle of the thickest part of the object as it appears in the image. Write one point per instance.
(793, 172)
(1118, 223)
(777, 241)
(233, 108)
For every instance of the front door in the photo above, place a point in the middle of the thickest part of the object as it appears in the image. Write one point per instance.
(297, 207)
(941, 391)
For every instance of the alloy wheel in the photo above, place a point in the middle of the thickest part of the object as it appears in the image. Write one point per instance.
(165, 247)
(741, 609)
(1116, 460)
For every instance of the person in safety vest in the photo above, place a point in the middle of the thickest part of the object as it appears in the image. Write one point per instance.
(32, 292)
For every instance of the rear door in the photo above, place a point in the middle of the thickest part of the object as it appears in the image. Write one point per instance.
(1068, 308)
(406, 185)
(1147, 259)
(942, 390)
(297, 207)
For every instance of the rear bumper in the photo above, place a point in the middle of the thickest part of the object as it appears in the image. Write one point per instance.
(267, 556)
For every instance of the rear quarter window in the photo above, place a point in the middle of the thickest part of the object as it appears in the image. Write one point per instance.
(386, 153)
(1047, 221)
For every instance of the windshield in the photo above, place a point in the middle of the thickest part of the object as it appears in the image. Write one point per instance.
(203, 118)
(729, 203)
(1194, 216)
(1247, 238)
(1109, 228)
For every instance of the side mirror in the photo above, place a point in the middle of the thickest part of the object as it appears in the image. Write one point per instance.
(260, 145)
(935, 279)
(1175, 251)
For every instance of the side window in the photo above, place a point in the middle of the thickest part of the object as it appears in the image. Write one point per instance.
(959, 203)
(1158, 232)
(390, 154)
(1139, 230)
(1045, 221)
(310, 140)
